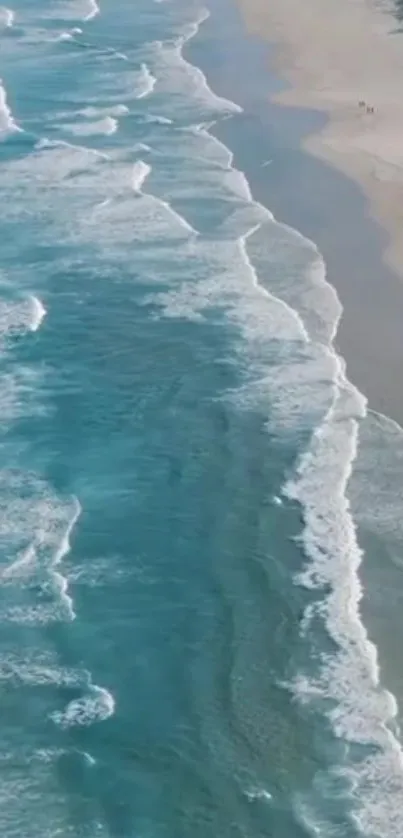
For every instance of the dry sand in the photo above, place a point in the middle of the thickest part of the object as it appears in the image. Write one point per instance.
(336, 53)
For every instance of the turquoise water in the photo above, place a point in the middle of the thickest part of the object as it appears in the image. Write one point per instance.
(180, 646)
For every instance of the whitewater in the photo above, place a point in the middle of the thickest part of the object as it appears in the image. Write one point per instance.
(365, 711)
(135, 266)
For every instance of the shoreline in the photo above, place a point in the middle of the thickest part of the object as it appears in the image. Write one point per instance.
(356, 64)
(311, 195)
(325, 205)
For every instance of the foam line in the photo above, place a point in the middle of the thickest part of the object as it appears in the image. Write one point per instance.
(38, 313)
(44, 142)
(148, 82)
(96, 705)
(60, 582)
(141, 171)
(93, 11)
(7, 121)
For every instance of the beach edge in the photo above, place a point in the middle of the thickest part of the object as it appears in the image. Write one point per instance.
(354, 91)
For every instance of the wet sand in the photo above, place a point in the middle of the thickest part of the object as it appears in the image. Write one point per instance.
(299, 95)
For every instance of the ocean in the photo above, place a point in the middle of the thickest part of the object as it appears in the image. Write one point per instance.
(194, 497)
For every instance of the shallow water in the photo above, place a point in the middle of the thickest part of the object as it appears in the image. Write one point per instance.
(176, 655)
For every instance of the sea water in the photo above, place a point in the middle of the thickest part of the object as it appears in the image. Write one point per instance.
(181, 645)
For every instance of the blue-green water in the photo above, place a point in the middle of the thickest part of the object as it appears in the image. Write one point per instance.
(180, 646)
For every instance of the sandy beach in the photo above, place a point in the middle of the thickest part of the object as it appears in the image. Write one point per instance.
(336, 55)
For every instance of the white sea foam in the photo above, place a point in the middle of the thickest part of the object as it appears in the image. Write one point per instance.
(96, 705)
(60, 583)
(306, 325)
(38, 313)
(364, 711)
(70, 35)
(158, 119)
(147, 220)
(18, 315)
(115, 83)
(6, 17)
(183, 86)
(97, 206)
(189, 29)
(93, 10)
(67, 159)
(206, 167)
(287, 328)
(180, 218)
(141, 171)
(23, 565)
(258, 794)
(7, 122)
(38, 668)
(35, 527)
(93, 113)
(65, 36)
(146, 82)
(225, 278)
(106, 126)
(294, 270)
(215, 151)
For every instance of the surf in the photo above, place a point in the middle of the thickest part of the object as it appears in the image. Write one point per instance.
(319, 486)
(8, 124)
(223, 262)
